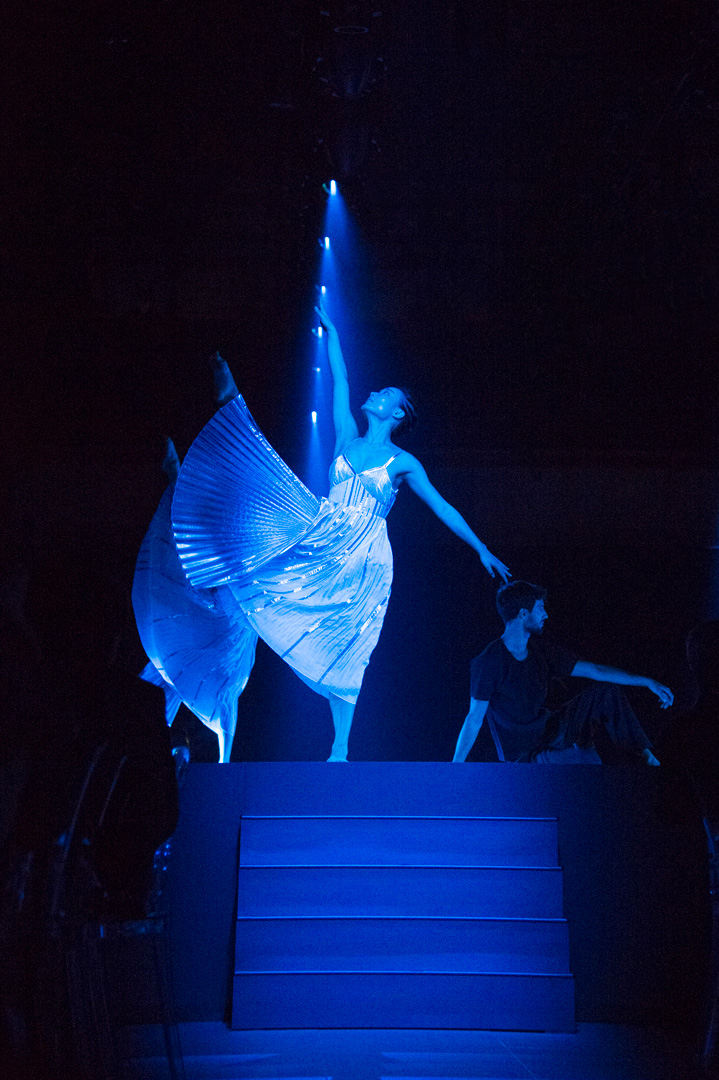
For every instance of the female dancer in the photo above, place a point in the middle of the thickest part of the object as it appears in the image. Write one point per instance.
(311, 578)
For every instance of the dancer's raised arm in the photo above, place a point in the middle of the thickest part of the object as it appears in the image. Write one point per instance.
(413, 473)
(345, 424)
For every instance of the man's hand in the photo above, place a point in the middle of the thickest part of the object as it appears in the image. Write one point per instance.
(666, 697)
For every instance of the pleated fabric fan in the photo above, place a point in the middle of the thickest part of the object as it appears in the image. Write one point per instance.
(237, 504)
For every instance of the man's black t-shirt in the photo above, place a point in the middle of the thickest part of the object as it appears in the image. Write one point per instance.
(516, 691)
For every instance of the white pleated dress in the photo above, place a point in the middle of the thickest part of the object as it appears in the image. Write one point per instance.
(312, 578)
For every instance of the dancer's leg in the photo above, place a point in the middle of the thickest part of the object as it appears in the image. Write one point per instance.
(226, 731)
(225, 745)
(342, 715)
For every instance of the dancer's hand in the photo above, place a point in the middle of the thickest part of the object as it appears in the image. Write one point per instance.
(321, 310)
(491, 563)
(649, 758)
(225, 386)
(666, 697)
(171, 462)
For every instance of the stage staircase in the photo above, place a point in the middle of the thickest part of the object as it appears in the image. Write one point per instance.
(379, 921)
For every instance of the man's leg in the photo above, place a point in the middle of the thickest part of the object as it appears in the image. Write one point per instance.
(576, 722)
(571, 755)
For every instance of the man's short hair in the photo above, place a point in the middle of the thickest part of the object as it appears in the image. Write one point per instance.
(516, 595)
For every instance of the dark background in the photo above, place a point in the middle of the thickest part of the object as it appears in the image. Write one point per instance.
(536, 188)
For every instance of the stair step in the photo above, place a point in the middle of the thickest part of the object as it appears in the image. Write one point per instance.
(402, 1000)
(406, 944)
(305, 840)
(498, 891)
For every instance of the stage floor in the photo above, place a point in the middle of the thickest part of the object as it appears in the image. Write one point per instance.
(596, 1052)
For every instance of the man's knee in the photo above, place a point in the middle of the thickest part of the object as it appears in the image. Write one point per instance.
(607, 694)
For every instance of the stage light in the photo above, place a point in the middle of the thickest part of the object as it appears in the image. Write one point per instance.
(323, 289)
(320, 331)
(333, 187)
(327, 243)
(318, 370)
(314, 417)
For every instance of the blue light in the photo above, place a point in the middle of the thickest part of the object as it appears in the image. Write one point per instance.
(333, 187)
(327, 243)
(319, 331)
(318, 370)
(314, 417)
(323, 289)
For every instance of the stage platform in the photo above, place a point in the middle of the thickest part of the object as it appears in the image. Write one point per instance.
(593, 1052)
(608, 874)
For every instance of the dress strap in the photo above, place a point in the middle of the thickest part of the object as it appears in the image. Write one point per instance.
(372, 468)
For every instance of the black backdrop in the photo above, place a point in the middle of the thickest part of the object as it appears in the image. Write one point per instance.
(538, 201)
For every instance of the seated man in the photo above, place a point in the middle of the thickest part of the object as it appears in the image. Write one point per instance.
(510, 681)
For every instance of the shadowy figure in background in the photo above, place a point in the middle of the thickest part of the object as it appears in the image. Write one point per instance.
(78, 616)
(690, 744)
(510, 682)
(690, 740)
(96, 796)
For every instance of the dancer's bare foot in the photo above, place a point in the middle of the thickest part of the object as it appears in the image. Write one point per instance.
(171, 462)
(225, 386)
(335, 757)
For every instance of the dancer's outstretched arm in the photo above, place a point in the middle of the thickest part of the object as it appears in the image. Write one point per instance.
(413, 472)
(345, 424)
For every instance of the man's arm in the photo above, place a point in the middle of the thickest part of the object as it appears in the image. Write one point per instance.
(587, 670)
(470, 728)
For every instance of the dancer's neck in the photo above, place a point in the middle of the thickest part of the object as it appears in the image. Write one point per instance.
(378, 433)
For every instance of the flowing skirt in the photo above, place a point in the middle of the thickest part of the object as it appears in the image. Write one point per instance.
(200, 646)
(312, 578)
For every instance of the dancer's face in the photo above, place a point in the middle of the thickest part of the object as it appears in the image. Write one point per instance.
(536, 618)
(385, 403)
